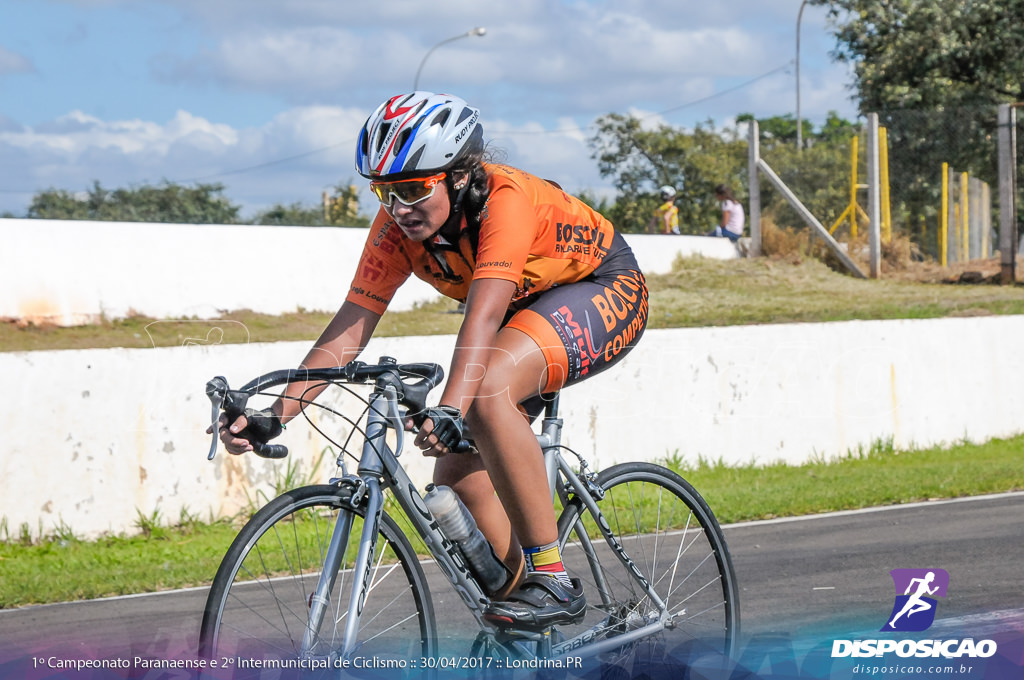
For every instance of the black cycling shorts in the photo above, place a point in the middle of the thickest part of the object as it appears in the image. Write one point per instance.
(587, 326)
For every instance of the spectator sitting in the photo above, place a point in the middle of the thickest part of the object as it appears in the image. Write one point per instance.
(732, 222)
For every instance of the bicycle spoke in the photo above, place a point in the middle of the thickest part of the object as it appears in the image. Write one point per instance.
(249, 612)
(672, 538)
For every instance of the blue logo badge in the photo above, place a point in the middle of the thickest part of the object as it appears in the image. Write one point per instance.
(916, 590)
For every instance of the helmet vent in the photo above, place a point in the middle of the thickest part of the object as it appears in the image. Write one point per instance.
(382, 135)
(441, 118)
(400, 141)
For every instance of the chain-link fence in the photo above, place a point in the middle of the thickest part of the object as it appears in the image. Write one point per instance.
(939, 182)
(943, 180)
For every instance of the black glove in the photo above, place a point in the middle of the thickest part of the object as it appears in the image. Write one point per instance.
(448, 425)
(263, 425)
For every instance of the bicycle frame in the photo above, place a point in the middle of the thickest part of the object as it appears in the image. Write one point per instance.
(379, 469)
(379, 462)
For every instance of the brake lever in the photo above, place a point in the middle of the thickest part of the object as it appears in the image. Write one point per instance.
(216, 390)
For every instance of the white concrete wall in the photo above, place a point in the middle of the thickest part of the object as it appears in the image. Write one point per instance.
(68, 273)
(91, 437)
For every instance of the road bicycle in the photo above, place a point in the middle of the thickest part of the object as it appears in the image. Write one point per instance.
(326, 576)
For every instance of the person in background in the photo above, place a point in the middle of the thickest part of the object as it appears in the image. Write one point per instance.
(666, 218)
(731, 225)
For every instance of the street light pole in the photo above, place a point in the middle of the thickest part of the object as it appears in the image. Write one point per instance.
(479, 30)
(799, 122)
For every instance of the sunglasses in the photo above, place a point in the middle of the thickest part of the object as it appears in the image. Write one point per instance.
(408, 191)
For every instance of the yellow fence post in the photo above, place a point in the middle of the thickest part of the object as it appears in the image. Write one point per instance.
(883, 162)
(854, 151)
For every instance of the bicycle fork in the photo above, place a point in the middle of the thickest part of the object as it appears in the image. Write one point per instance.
(366, 484)
(320, 600)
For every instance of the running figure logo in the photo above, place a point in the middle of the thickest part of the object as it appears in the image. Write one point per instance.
(916, 589)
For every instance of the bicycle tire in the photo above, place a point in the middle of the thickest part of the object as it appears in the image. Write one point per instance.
(258, 603)
(673, 538)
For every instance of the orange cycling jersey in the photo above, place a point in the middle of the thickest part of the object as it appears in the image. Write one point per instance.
(531, 233)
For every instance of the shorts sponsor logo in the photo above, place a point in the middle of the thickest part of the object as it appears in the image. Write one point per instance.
(574, 337)
(624, 304)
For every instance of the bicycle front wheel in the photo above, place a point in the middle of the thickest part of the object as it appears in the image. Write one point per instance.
(673, 540)
(259, 603)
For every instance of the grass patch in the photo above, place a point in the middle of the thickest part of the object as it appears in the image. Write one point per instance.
(698, 292)
(879, 476)
(63, 567)
(703, 292)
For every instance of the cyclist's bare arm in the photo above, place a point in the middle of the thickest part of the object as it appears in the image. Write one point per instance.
(486, 305)
(341, 342)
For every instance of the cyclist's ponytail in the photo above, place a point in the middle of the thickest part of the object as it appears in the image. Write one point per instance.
(477, 191)
(470, 199)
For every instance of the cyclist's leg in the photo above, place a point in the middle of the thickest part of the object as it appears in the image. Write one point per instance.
(469, 479)
(517, 369)
(563, 337)
(566, 335)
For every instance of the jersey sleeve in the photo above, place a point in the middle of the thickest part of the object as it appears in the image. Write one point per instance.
(383, 267)
(507, 233)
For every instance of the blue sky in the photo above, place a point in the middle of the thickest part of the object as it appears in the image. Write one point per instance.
(266, 96)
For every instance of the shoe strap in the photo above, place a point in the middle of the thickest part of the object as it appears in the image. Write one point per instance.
(544, 583)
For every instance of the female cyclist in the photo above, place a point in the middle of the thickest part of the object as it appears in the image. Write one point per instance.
(552, 295)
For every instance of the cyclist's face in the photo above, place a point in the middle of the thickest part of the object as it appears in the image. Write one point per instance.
(422, 220)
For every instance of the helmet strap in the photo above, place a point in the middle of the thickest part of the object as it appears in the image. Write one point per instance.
(452, 226)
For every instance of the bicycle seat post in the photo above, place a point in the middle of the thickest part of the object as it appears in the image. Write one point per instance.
(550, 439)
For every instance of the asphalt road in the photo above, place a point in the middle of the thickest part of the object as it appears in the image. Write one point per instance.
(817, 574)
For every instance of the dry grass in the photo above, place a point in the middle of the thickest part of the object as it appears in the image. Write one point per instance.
(795, 282)
(901, 258)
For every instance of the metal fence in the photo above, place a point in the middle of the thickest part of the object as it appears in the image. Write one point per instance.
(938, 182)
(941, 177)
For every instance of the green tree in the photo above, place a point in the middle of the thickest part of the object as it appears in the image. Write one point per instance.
(58, 204)
(292, 215)
(340, 208)
(935, 72)
(695, 161)
(168, 202)
(931, 53)
(778, 129)
(343, 207)
(641, 159)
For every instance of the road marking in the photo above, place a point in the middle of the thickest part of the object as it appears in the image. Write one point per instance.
(880, 508)
(778, 520)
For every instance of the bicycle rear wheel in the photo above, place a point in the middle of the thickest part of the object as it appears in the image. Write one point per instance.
(671, 536)
(259, 601)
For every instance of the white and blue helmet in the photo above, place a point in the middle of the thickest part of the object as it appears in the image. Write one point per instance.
(417, 133)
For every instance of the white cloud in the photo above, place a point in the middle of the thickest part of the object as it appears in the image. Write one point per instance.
(314, 68)
(564, 56)
(12, 62)
(77, 134)
(291, 158)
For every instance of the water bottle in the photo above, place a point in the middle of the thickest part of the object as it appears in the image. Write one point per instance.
(453, 517)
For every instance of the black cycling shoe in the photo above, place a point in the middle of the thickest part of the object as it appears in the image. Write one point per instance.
(540, 602)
